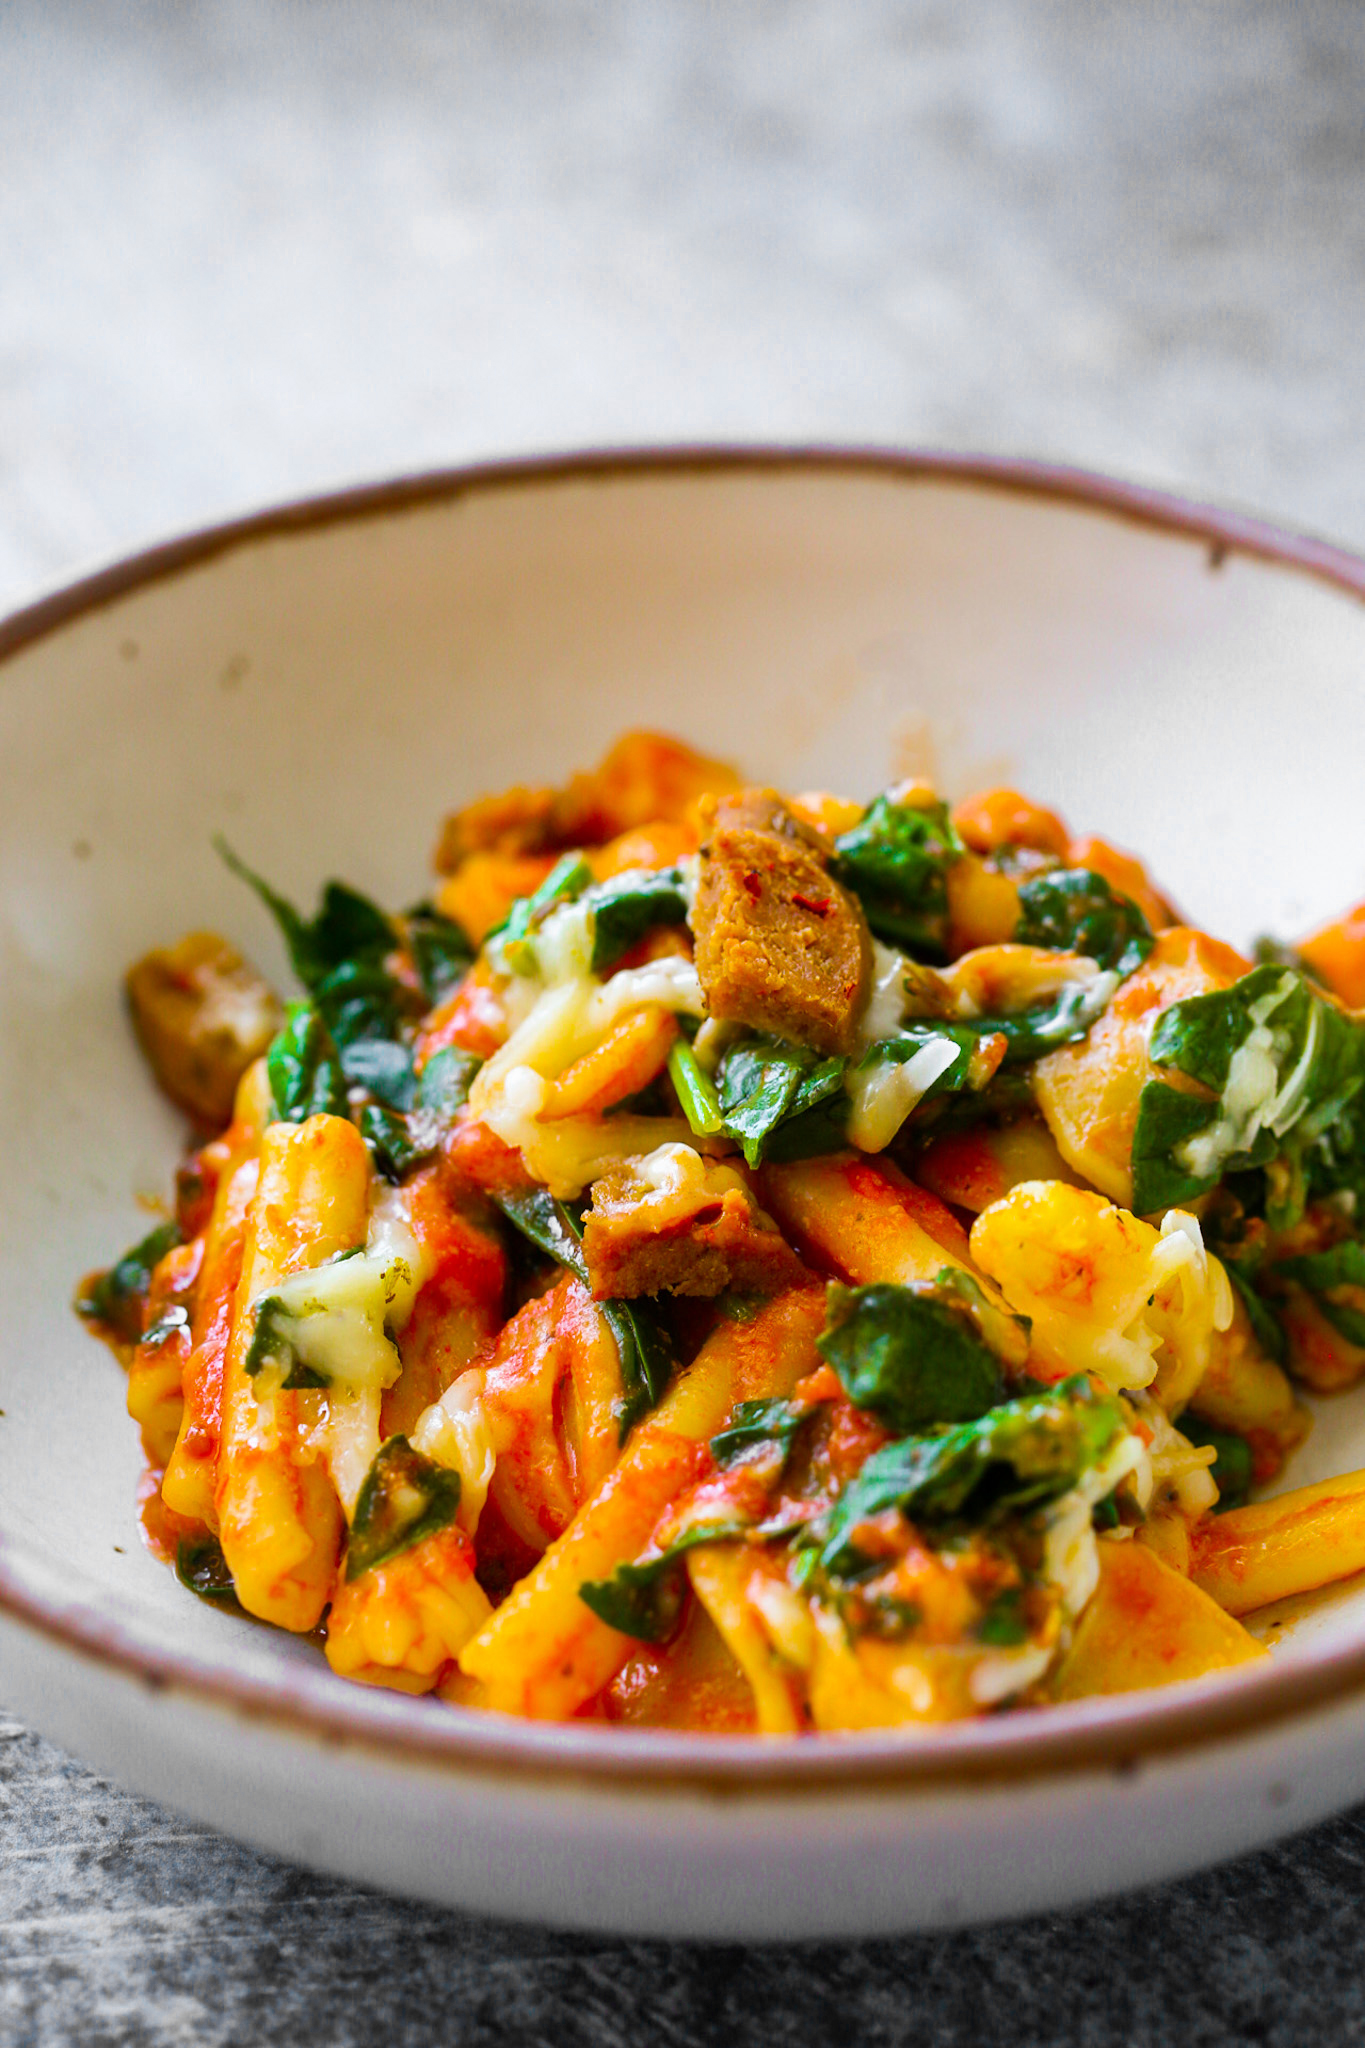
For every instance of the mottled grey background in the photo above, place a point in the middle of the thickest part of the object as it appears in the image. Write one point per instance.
(249, 250)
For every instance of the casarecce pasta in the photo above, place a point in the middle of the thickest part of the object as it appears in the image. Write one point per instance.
(749, 1261)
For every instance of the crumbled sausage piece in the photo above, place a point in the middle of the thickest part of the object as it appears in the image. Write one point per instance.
(678, 1224)
(780, 946)
(202, 1015)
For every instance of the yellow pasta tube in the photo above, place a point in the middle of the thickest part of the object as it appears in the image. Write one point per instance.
(400, 1623)
(1147, 1625)
(279, 1520)
(545, 1652)
(1293, 1544)
(722, 1576)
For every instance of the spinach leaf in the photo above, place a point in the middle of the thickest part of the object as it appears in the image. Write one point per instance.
(628, 906)
(896, 860)
(643, 1340)
(1233, 1469)
(405, 1497)
(272, 1347)
(1327, 1276)
(644, 1599)
(118, 1297)
(763, 1082)
(566, 881)
(1004, 1625)
(756, 1424)
(347, 926)
(201, 1565)
(1076, 911)
(1266, 1326)
(548, 1226)
(910, 1355)
(389, 1138)
(648, 1358)
(399, 1141)
(442, 952)
(1015, 1458)
(1286, 1069)
(305, 1074)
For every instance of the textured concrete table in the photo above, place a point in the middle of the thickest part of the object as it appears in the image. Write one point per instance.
(249, 250)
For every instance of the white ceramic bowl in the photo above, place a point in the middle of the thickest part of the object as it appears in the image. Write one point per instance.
(323, 683)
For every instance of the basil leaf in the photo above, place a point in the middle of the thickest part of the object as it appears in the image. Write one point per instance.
(442, 953)
(118, 1297)
(1075, 910)
(444, 1082)
(201, 1565)
(756, 1424)
(305, 1074)
(1016, 1457)
(644, 1599)
(909, 1355)
(1321, 1273)
(896, 860)
(405, 1497)
(628, 906)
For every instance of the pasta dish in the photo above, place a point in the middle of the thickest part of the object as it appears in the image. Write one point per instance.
(745, 1261)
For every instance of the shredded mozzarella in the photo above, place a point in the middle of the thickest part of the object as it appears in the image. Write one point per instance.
(455, 1432)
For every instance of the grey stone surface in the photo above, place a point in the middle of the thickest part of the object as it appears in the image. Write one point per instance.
(259, 247)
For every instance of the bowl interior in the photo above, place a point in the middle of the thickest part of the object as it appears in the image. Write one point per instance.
(321, 694)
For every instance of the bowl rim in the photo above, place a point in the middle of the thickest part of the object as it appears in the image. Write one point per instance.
(1118, 1733)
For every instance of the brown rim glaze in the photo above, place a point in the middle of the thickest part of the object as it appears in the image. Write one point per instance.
(1117, 1734)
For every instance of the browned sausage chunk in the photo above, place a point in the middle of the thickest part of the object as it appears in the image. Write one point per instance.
(780, 945)
(677, 1224)
(202, 1016)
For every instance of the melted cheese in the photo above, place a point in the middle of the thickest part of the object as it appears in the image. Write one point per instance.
(455, 1432)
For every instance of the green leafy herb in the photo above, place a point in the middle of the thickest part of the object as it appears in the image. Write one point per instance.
(1004, 1625)
(547, 1224)
(1076, 911)
(441, 951)
(629, 905)
(912, 1356)
(1266, 1326)
(644, 1599)
(201, 1565)
(405, 1498)
(763, 1082)
(1284, 1068)
(272, 1347)
(346, 927)
(1336, 1279)
(1233, 1469)
(305, 1073)
(695, 1089)
(566, 881)
(896, 861)
(118, 1298)
(391, 1144)
(754, 1426)
(648, 1358)
(444, 1083)
(1013, 1459)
